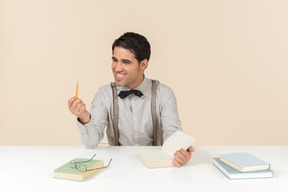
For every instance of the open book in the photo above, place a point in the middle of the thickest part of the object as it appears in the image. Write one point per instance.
(156, 158)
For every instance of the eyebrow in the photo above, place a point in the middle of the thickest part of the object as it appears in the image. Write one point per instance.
(123, 60)
(126, 61)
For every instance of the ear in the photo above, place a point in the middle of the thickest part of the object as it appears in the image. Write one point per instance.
(143, 64)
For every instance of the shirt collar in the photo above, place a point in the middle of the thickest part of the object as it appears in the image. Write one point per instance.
(143, 85)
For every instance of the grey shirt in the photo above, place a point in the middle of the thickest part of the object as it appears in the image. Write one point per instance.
(135, 119)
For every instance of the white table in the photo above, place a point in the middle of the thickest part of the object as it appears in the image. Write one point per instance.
(31, 168)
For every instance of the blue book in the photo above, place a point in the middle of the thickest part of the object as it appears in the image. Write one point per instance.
(232, 173)
(244, 162)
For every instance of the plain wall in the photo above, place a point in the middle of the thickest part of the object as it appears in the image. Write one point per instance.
(226, 61)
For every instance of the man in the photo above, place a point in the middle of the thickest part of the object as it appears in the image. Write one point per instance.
(134, 123)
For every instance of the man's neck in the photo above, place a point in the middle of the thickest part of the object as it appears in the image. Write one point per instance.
(139, 83)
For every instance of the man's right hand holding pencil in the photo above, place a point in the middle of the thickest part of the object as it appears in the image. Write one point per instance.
(78, 108)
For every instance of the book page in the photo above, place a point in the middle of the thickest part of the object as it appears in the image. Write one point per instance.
(155, 158)
(177, 141)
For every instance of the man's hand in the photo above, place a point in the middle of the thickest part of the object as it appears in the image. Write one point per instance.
(78, 108)
(181, 157)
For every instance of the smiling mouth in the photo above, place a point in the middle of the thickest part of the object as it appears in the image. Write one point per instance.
(119, 76)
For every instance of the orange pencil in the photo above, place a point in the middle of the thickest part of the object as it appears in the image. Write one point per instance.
(76, 90)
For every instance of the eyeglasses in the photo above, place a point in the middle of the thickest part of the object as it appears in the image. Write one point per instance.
(81, 167)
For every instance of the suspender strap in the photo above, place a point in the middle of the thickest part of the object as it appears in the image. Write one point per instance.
(157, 134)
(153, 112)
(115, 115)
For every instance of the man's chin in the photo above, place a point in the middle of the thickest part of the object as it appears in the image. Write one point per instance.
(119, 83)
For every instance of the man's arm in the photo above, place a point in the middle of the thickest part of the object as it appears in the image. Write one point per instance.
(171, 123)
(91, 125)
(85, 126)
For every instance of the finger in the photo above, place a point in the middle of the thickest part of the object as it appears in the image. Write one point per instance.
(70, 101)
(191, 149)
(184, 154)
(178, 157)
(78, 107)
(76, 102)
(81, 108)
(176, 164)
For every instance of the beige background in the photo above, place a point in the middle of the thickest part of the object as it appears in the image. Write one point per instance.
(226, 61)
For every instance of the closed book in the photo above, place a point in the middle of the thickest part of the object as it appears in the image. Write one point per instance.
(232, 173)
(244, 162)
(70, 173)
(157, 158)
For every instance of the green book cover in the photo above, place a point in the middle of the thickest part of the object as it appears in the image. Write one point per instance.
(232, 173)
(71, 173)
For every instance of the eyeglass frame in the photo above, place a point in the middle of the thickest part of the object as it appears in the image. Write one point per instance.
(77, 165)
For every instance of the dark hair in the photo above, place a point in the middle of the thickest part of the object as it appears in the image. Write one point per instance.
(136, 43)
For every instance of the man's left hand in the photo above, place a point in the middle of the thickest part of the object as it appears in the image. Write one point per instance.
(181, 157)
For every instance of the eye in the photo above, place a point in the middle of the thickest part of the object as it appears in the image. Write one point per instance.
(114, 59)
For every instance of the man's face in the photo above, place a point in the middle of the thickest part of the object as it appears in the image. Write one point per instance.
(126, 69)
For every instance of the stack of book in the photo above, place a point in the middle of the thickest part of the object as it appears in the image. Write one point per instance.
(242, 166)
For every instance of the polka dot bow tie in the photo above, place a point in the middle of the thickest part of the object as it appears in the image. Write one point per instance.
(124, 94)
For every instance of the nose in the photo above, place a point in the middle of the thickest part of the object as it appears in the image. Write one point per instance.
(117, 66)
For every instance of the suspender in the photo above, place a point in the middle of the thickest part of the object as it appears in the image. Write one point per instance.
(157, 133)
(115, 115)
(153, 112)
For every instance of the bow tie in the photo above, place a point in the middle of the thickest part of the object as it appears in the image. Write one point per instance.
(124, 94)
